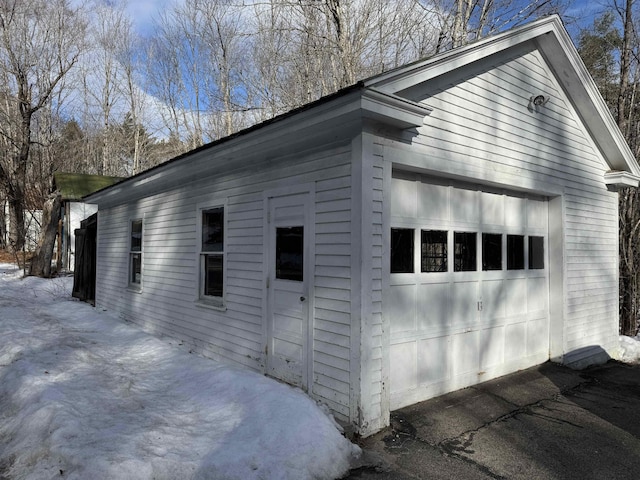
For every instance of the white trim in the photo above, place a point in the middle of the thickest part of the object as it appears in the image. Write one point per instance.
(216, 303)
(307, 189)
(617, 180)
(131, 286)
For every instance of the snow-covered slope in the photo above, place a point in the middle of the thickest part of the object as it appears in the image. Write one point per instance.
(84, 395)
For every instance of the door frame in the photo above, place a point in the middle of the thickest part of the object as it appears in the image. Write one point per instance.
(307, 189)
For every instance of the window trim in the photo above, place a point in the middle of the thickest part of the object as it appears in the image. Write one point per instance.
(131, 285)
(218, 303)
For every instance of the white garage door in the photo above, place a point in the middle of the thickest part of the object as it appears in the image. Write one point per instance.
(469, 297)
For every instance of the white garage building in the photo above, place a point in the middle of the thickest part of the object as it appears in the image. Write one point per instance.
(424, 230)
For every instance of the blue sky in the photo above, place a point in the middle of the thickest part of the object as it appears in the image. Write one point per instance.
(579, 13)
(142, 12)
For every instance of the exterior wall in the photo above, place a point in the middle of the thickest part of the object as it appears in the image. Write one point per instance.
(484, 130)
(167, 303)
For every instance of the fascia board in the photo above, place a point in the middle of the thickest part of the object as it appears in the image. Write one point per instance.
(573, 76)
(338, 113)
(559, 51)
(346, 105)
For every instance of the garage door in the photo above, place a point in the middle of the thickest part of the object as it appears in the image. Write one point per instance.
(469, 296)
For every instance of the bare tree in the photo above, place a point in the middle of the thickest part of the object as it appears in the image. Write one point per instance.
(40, 41)
(462, 21)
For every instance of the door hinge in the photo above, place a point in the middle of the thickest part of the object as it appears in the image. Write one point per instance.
(267, 282)
(480, 306)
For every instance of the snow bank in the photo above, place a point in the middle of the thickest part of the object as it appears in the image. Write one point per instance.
(629, 349)
(84, 395)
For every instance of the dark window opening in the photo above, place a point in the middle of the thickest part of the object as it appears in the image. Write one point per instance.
(136, 268)
(213, 252)
(401, 250)
(464, 252)
(491, 251)
(536, 253)
(434, 251)
(213, 281)
(136, 235)
(213, 230)
(135, 254)
(515, 252)
(290, 253)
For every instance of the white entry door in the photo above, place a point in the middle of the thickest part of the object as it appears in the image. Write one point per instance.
(288, 306)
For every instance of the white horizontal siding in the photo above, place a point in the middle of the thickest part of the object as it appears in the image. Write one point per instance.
(483, 129)
(167, 303)
(332, 293)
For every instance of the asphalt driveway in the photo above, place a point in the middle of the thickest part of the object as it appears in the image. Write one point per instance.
(548, 422)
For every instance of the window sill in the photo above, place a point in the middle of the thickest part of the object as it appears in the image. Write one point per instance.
(218, 306)
(134, 288)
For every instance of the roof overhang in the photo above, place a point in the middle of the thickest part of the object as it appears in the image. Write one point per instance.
(618, 180)
(327, 118)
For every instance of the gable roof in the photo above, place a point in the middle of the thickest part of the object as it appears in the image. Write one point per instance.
(74, 186)
(557, 48)
(383, 98)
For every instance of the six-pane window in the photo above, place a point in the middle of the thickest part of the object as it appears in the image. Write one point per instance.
(434, 251)
(212, 252)
(135, 254)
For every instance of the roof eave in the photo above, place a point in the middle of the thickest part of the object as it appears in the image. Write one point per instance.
(353, 105)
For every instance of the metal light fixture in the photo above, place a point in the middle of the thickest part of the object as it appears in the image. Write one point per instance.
(539, 100)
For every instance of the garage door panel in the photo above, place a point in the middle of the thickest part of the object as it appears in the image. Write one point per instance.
(493, 300)
(464, 306)
(464, 353)
(515, 341)
(491, 347)
(465, 206)
(516, 297)
(404, 366)
(402, 301)
(433, 360)
(404, 198)
(492, 209)
(433, 202)
(537, 336)
(433, 307)
(515, 212)
(537, 214)
(537, 295)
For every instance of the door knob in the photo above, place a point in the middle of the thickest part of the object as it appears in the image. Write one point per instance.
(302, 299)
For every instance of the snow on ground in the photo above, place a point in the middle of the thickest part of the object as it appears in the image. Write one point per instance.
(85, 395)
(629, 349)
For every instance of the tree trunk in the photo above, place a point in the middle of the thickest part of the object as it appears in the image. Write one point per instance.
(41, 262)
